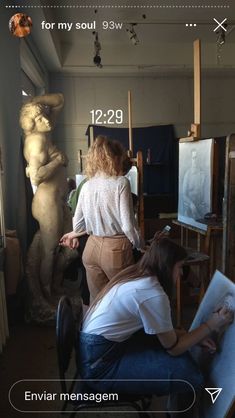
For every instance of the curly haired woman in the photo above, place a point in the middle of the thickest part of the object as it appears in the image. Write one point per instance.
(105, 212)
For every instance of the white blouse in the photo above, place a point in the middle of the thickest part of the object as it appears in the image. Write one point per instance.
(105, 208)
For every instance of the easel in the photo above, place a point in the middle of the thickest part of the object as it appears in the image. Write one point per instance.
(198, 259)
(195, 130)
(137, 161)
(229, 210)
(206, 239)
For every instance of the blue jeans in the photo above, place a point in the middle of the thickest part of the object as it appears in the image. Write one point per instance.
(140, 357)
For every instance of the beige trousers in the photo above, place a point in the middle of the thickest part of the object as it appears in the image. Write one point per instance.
(103, 258)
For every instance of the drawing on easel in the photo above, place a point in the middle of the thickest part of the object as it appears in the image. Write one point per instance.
(132, 176)
(195, 181)
(220, 368)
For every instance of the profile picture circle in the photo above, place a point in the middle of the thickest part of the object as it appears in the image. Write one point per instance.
(20, 25)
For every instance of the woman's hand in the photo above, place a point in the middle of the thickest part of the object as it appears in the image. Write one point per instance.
(180, 331)
(143, 249)
(69, 240)
(208, 345)
(220, 319)
(75, 243)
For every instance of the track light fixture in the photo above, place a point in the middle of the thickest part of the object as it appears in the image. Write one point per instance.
(220, 41)
(132, 34)
(97, 47)
(220, 36)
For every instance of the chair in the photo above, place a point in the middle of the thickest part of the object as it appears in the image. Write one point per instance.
(65, 340)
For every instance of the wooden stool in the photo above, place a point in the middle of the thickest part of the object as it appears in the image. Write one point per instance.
(206, 239)
(201, 260)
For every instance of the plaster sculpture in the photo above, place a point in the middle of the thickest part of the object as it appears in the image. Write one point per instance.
(46, 168)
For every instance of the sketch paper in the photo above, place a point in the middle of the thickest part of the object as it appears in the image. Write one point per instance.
(221, 291)
(79, 179)
(132, 176)
(195, 181)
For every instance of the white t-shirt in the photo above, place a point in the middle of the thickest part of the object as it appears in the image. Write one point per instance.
(129, 307)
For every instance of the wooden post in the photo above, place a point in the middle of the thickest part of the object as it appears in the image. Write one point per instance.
(229, 210)
(80, 160)
(139, 159)
(130, 123)
(91, 135)
(195, 129)
(197, 87)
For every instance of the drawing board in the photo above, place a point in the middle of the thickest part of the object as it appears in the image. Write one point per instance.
(132, 176)
(221, 366)
(195, 181)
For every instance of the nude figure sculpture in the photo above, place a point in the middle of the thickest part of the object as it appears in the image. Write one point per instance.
(46, 168)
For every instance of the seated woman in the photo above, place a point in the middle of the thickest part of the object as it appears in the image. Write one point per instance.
(128, 332)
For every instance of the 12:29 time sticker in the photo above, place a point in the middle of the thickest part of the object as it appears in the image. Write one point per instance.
(109, 117)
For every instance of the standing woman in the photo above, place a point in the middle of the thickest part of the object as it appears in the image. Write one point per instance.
(105, 212)
(128, 334)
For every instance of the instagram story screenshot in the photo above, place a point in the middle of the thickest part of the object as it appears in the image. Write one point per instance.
(117, 208)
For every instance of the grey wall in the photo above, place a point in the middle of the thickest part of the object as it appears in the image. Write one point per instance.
(156, 100)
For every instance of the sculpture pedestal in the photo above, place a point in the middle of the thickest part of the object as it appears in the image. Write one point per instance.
(42, 309)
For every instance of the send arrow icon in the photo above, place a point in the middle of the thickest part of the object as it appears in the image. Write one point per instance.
(214, 393)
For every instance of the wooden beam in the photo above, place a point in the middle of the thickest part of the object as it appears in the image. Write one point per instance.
(130, 123)
(197, 87)
(91, 135)
(195, 129)
(80, 160)
(139, 159)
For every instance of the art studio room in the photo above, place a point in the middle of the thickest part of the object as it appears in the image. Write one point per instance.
(117, 208)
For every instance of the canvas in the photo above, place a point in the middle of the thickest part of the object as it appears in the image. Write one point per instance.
(132, 176)
(221, 366)
(195, 181)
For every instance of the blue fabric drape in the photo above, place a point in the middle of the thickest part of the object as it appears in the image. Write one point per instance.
(161, 175)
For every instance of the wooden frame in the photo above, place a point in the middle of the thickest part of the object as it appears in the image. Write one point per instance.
(195, 130)
(138, 161)
(130, 123)
(196, 126)
(229, 210)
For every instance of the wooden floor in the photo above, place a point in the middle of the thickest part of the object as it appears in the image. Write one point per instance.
(30, 353)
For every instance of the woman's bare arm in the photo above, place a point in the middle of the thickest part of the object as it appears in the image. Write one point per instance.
(176, 345)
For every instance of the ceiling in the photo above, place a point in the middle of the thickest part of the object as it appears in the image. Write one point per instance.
(165, 42)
